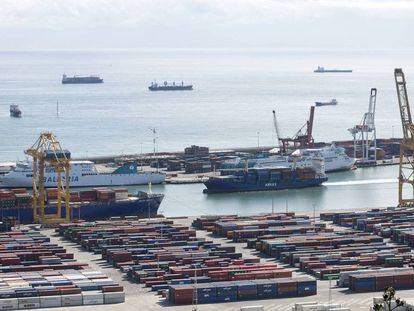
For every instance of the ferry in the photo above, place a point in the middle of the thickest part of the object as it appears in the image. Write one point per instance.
(170, 87)
(332, 102)
(82, 174)
(15, 111)
(323, 70)
(268, 178)
(335, 159)
(81, 79)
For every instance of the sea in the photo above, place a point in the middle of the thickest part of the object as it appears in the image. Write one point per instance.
(235, 91)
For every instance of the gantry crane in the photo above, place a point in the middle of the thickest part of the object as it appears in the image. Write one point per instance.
(406, 170)
(365, 134)
(302, 138)
(48, 153)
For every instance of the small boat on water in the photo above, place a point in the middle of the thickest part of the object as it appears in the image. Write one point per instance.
(15, 111)
(333, 102)
(323, 70)
(170, 87)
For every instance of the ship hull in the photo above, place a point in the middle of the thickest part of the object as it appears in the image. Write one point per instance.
(171, 88)
(99, 180)
(222, 186)
(332, 70)
(16, 114)
(141, 207)
(86, 80)
(81, 82)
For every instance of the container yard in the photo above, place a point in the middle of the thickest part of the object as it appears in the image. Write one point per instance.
(146, 268)
(172, 262)
(35, 273)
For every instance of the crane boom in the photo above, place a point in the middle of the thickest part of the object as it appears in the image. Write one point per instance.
(406, 167)
(276, 129)
(310, 123)
(405, 112)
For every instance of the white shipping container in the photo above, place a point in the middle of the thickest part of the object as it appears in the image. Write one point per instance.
(117, 297)
(50, 301)
(9, 304)
(121, 195)
(299, 305)
(92, 298)
(29, 303)
(72, 300)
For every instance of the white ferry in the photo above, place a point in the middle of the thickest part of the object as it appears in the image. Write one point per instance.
(82, 174)
(334, 157)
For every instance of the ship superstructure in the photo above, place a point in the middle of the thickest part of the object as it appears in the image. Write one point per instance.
(15, 111)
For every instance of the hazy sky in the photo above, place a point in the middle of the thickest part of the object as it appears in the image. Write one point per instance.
(80, 24)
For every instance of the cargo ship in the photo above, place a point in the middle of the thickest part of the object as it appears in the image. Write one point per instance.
(15, 111)
(332, 102)
(267, 178)
(170, 87)
(82, 174)
(323, 70)
(81, 79)
(95, 204)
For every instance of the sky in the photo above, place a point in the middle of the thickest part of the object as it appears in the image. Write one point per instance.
(123, 24)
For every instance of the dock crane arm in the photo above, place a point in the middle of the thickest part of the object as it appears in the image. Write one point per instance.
(405, 112)
(277, 131)
(406, 167)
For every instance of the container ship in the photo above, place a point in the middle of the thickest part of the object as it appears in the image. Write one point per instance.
(82, 174)
(323, 70)
(81, 79)
(170, 87)
(98, 203)
(332, 102)
(267, 178)
(15, 111)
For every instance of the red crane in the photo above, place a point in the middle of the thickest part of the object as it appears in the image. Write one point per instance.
(302, 138)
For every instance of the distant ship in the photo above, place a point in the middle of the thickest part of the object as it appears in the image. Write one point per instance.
(267, 178)
(82, 174)
(322, 70)
(333, 102)
(81, 79)
(15, 111)
(170, 87)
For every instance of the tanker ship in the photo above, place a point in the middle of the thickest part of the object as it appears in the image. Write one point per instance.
(81, 79)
